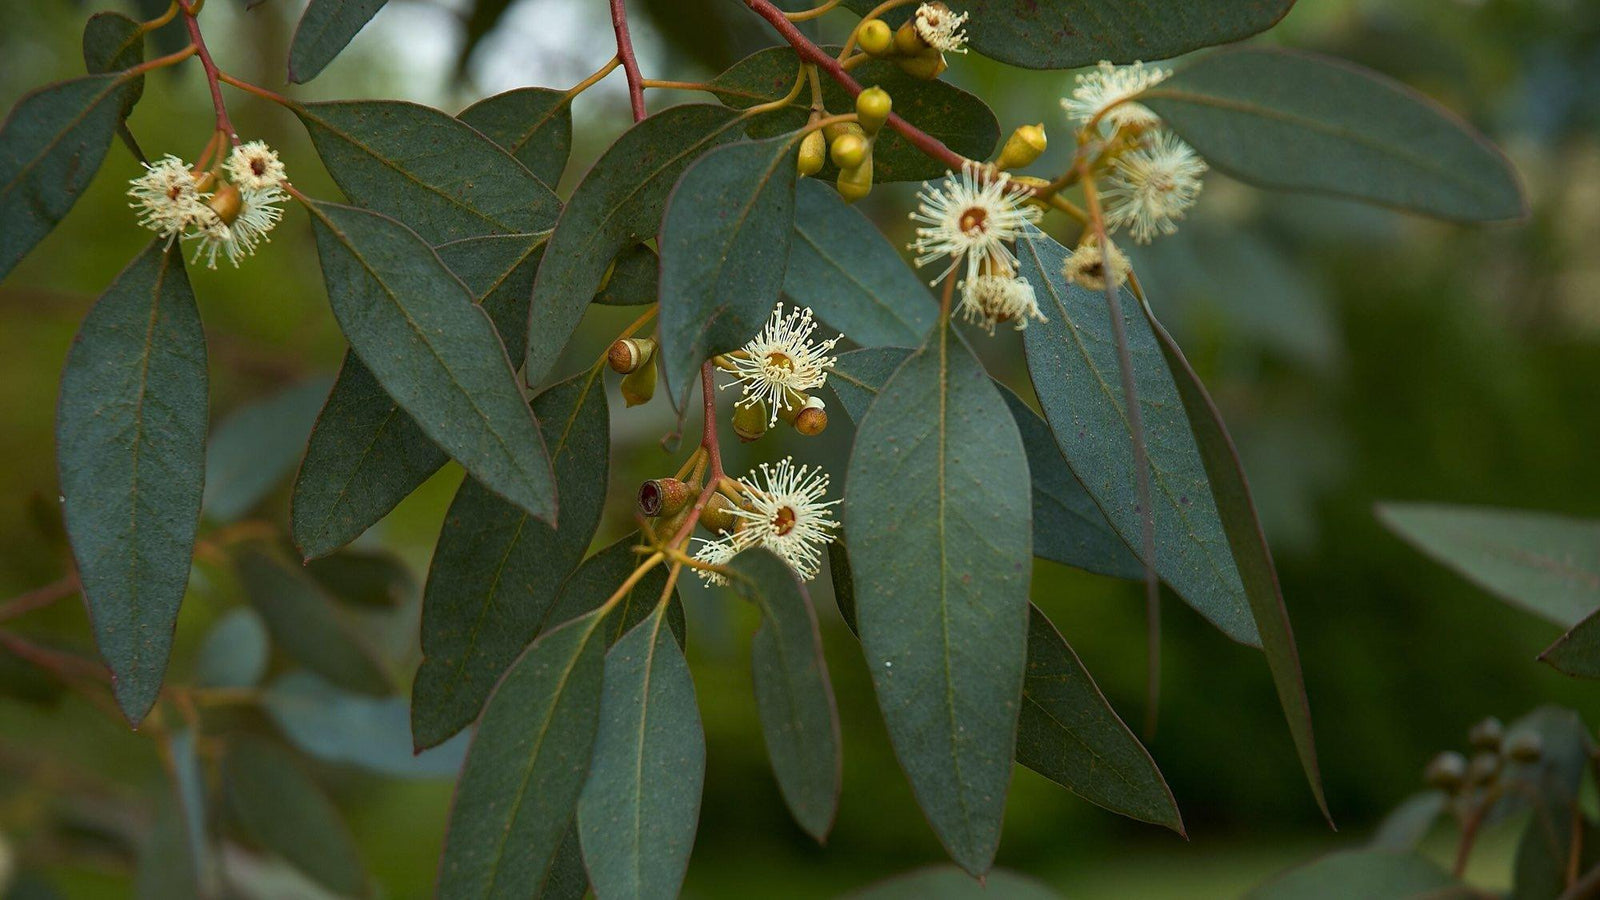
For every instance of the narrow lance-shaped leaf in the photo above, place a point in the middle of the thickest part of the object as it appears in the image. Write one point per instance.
(130, 446)
(303, 622)
(794, 697)
(1298, 121)
(281, 807)
(938, 517)
(1577, 652)
(325, 28)
(415, 327)
(639, 809)
(254, 447)
(1250, 552)
(724, 244)
(532, 124)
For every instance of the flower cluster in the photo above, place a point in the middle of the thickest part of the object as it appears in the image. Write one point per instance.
(224, 216)
(783, 511)
(972, 221)
(781, 363)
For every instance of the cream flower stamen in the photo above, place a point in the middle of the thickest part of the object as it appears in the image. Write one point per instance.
(939, 28)
(1086, 267)
(255, 166)
(715, 553)
(1104, 91)
(1151, 188)
(168, 197)
(787, 515)
(992, 299)
(782, 360)
(258, 214)
(968, 220)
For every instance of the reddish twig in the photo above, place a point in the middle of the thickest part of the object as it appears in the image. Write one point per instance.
(630, 63)
(713, 448)
(38, 598)
(224, 124)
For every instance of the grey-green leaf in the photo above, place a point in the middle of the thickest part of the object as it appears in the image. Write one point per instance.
(600, 576)
(938, 518)
(527, 766)
(639, 809)
(1298, 121)
(254, 447)
(427, 169)
(51, 146)
(325, 28)
(1069, 734)
(794, 697)
(234, 652)
(533, 124)
(1368, 874)
(1407, 824)
(635, 278)
(617, 205)
(1072, 360)
(304, 623)
(130, 447)
(1577, 652)
(112, 42)
(282, 808)
(496, 570)
(724, 244)
(841, 266)
(415, 327)
(364, 578)
(374, 733)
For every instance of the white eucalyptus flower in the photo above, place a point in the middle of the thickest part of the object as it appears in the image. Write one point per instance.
(787, 515)
(255, 166)
(1104, 89)
(1150, 188)
(965, 219)
(716, 552)
(168, 197)
(1086, 267)
(782, 360)
(258, 214)
(939, 28)
(992, 299)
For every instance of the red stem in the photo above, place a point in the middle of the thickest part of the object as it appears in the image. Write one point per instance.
(630, 63)
(708, 441)
(38, 598)
(224, 124)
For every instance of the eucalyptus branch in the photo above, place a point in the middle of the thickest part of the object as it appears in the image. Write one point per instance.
(630, 63)
(191, 12)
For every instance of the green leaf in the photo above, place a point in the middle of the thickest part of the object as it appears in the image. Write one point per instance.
(567, 879)
(1577, 653)
(533, 124)
(959, 119)
(365, 453)
(112, 42)
(617, 205)
(130, 446)
(303, 622)
(51, 146)
(938, 519)
(415, 326)
(339, 727)
(527, 766)
(429, 170)
(794, 698)
(1068, 527)
(1069, 734)
(364, 578)
(189, 782)
(166, 867)
(1298, 121)
(1248, 543)
(600, 576)
(1368, 874)
(1065, 34)
(639, 809)
(283, 809)
(254, 447)
(325, 28)
(950, 883)
(841, 266)
(1072, 360)
(1407, 824)
(635, 278)
(1548, 565)
(724, 244)
(234, 652)
(496, 570)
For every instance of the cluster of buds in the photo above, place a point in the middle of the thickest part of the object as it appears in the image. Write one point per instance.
(848, 144)
(635, 359)
(1474, 783)
(918, 46)
(227, 209)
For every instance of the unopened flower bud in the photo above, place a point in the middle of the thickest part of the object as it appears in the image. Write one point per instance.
(813, 153)
(1526, 747)
(855, 183)
(640, 385)
(1446, 771)
(750, 420)
(1483, 768)
(906, 40)
(227, 203)
(793, 402)
(628, 354)
(664, 496)
(1486, 735)
(722, 362)
(927, 65)
(1023, 147)
(872, 108)
(717, 517)
(875, 38)
(848, 151)
(812, 419)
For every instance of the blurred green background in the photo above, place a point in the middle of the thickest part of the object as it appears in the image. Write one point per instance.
(1358, 355)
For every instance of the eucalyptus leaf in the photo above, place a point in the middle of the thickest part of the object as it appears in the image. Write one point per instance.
(1368, 874)
(189, 782)
(1407, 824)
(1299, 121)
(112, 42)
(634, 280)
(254, 447)
(938, 518)
(325, 28)
(282, 808)
(724, 244)
(533, 124)
(234, 652)
(337, 726)
(302, 621)
(130, 447)
(600, 576)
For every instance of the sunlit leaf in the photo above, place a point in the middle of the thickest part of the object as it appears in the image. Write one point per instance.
(532, 124)
(325, 28)
(282, 808)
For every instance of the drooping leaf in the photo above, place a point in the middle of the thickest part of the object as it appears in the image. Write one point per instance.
(51, 146)
(724, 242)
(336, 726)
(130, 446)
(1069, 734)
(325, 28)
(527, 766)
(1548, 565)
(415, 327)
(1065, 34)
(841, 266)
(282, 808)
(640, 807)
(112, 42)
(1577, 652)
(1072, 361)
(635, 278)
(532, 124)
(938, 519)
(950, 883)
(234, 653)
(1369, 874)
(1407, 824)
(431, 171)
(254, 447)
(1252, 556)
(302, 621)
(496, 570)
(960, 120)
(1298, 121)
(600, 576)
(366, 454)
(794, 697)
(617, 205)
(364, 578)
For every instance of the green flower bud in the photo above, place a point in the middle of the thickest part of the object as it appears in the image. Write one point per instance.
(1023, 147)
(640, 385)
(628, 354)
(813, 153)
(716, 516)
(1446, 771)
(875, 38)
(855, 183)
(750, 420)
(906, 40)
(849, 150)
(872, 108)
(1486, 735)
(927, 65)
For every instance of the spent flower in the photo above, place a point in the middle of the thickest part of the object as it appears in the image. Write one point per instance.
(258, 213)
(1104, 91)
(1152, 187)
(1087, 267)
(168, 197)
(992, 299)
(940, 28)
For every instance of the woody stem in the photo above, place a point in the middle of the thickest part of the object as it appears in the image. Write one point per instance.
(224, 124)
